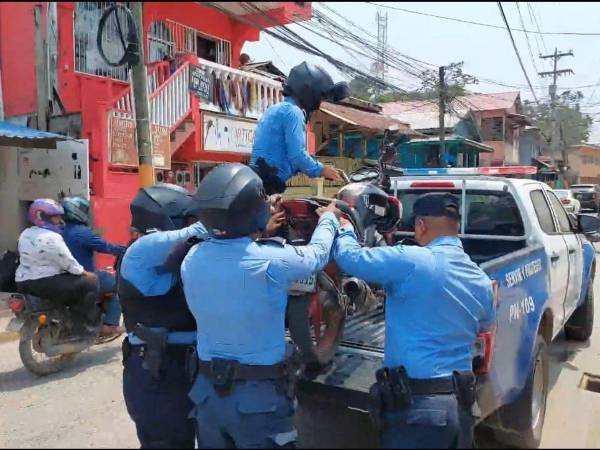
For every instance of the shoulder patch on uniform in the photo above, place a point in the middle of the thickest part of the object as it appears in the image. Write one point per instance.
(272, 240)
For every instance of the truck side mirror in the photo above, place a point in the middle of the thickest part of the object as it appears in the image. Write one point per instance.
(590, 226)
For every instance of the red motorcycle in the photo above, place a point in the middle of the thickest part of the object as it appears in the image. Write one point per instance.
(318, 306)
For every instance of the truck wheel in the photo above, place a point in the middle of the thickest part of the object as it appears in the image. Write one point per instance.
(525, 416)
(580, 325)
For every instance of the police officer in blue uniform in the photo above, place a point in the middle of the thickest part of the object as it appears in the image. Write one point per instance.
(438, 300)
(161, 330)
(279, 150)
(236, 287)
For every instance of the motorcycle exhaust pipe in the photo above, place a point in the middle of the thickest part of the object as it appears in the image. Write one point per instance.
(69, 347)
(359, 293)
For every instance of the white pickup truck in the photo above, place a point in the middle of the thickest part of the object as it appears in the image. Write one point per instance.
(519, 233)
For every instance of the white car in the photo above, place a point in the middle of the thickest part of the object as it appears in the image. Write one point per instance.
(570, 203)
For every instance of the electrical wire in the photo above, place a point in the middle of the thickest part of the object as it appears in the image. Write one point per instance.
(527, 39)
(517, 51)
(489, 25)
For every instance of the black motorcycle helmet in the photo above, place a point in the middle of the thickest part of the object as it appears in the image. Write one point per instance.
(373, 205)
(231, 202)
(310, 84)
(160, 207)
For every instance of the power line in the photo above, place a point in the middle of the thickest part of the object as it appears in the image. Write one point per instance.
(489, 25)
(275, 51)
(517, 51)
(527, 38)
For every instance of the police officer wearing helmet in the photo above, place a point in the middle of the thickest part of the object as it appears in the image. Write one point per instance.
(279, 150)
(161, 330)
(438, 301)
(236, 287)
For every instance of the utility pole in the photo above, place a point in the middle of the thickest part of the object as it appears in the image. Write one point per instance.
(41, 70)
(139, 83)
(442, 111)
(555, 144)
(380, 68)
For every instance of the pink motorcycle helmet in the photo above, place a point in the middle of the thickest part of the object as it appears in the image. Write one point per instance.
(40, 212)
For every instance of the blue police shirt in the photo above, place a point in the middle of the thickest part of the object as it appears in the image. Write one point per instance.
(237, 291)
(83, 242)
(143, 264)
(281, 141)
(438, 300)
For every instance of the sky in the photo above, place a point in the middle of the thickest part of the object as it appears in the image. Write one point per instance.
(486, 52)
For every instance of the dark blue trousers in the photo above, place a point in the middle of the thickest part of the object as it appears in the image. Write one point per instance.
(160, 408)
(433, 421)
(255, 414)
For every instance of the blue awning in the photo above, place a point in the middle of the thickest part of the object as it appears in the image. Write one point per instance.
(19, 136)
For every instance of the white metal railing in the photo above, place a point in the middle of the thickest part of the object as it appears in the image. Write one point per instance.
(171, 102)
(239, 93)
(168, 105)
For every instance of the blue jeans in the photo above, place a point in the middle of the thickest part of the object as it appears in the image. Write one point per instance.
(107, 283)
(255, 414)
(433, 421)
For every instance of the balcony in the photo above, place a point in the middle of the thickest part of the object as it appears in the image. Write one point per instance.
(239, 93)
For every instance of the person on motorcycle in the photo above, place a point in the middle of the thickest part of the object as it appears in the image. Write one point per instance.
(47, 268)
(161, 330)
(279, 150)
(83, 243)
(236, 287)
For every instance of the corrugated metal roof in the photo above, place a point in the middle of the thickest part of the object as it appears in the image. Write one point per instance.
(17, 135)
(366, 120)
(423, 114)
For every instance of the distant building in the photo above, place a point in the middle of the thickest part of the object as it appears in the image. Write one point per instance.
(584, 163)
(481, 129)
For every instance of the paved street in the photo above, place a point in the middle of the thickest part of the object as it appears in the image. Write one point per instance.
(83, 406)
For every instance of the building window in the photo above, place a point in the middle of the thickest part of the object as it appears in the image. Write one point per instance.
(160, 42)
(492, 129)
(87, 56)
(215, 50)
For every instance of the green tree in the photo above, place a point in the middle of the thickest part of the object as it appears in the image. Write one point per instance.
(575, 126)
(456, 80)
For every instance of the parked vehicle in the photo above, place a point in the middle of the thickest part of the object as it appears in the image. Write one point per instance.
(588, 195)
(374, 213)
(543, 265)
(47, 340)
(567, 198)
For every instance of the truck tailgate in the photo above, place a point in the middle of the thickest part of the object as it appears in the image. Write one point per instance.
(359, 355)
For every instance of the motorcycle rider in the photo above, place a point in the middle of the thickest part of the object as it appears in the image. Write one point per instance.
(47, 268)
(160, 327)
(82, 243)
(279, 150)
(236, 288)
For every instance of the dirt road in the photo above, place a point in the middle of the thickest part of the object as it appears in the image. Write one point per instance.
(83, 406)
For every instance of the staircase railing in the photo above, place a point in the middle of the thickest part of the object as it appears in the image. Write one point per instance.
(169, 97)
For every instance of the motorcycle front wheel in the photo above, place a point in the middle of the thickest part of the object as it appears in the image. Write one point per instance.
(33, 359)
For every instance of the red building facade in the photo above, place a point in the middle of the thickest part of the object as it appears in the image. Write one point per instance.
(179, 38)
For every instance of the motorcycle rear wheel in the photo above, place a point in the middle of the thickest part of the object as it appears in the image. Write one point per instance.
(34, 361)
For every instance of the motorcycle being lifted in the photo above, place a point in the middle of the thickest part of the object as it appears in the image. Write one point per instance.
(48, 340)
(318, 306)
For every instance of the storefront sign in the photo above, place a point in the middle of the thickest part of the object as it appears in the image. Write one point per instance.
(122, 149)
(228, 134)
(200, 81)
(161, 147)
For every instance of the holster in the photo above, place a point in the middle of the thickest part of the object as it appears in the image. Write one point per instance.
(156, 343)
(223, 371)
(391, 391)
(465, 388)
(269, 176)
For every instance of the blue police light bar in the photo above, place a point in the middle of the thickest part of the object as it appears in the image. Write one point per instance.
(501, 170)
